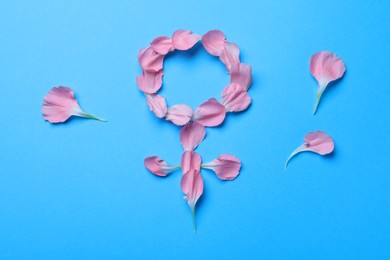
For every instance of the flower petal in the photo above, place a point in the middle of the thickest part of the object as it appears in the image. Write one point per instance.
(242, 74)
(157, 166)
(210, 113)
(191, 135)
(226, 166)
(235, 98)
(162, 45)
(150, 82)
(214, 42)
(184, 40)
(230, 56)
(190, 160)
(179, 114)
(150, 60)
(157, 104)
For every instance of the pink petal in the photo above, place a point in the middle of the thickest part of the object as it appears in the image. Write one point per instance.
(179, 114)
(230, 56)
(184, 40)
(242, 74)
(191, 135)
(150, 82)
(157, 166)
(227, 167)
(214, 42)
(157, 105)
(162, 45)
(190, 160)
(150, 60)
(235, 98)
(210, 113)
(325, 67)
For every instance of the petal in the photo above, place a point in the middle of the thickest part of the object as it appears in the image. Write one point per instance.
(150, 82)
(226, 166)
(214, 42)
(191, 135)
(150, 60)
(179, 114)
(242, 74)
(184, 40)
(190, 160)
(319, 142)
(230, 56)
(162, 45)
(235, 98)
(157, 105)
(210, 113)
(157, 166)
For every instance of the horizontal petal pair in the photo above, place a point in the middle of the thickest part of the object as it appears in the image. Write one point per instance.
(235, 98)
(181, 40)
(226, 166)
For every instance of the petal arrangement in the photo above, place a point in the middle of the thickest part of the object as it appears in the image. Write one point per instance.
(211, 113)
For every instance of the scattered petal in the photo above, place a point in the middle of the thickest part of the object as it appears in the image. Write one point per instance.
(179, 114)
(235, 98)
(190, 160)
(242, 74)
(325, 67)
(210, 113)
(59, 104)
(191, 135)
(317, 142)
(158, 167)
(150, 60)
(157, 104)
(226, 166)
(150, 82)
(230, 56)
(162, 45)
(184, 40)
(214, 42)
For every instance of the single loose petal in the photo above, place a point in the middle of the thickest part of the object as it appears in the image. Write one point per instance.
(214, 42)
(59, 104)
(317, 142)
(191, 135)
(226, 166)
(150, 60)
(158, 167)
(210, 113)
(184, 40)
(179, 114)
(325, 67)
(150, 82)
(157, 104)
(162, 45)
(235, 98)
(190, 160)
(230, 56)
(242, 74)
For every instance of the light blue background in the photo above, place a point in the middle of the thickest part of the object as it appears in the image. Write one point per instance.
(80, 191)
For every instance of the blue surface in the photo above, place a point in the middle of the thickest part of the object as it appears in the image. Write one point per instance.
(80, 190)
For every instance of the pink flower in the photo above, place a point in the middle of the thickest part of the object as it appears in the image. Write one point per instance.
(210, 113)
(59, 104)
(242, 74)
(179, 114)
(150, 82)
(226, 166)
(214, 42)
(325, 67)
(150, 60)
(158, 167)
(190, 160)
(191, 135)
(317, 142)
(157, 105)
(235, 98)
(230, 56)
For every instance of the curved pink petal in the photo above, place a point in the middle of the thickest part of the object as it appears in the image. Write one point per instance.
(184, 40)
(235, 98)
(191, 135)
(226, 166)
(157, 166)
(150, 82)
(190, 160)
(157, 104)
(150, 60)
(214, 42)
(325, 67)
(162, 45)
(179, 114)
(242, 74)
(230, 56)
(210, 113)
